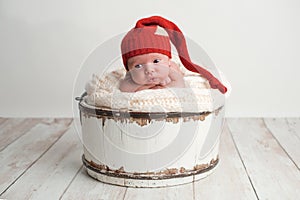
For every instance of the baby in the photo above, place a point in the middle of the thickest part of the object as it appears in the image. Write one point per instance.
(151, 71)
(146, 54)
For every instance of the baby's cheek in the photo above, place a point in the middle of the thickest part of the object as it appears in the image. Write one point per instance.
(137, 78)
(164, 71)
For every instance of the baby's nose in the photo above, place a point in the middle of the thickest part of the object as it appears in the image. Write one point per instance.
(149, 69)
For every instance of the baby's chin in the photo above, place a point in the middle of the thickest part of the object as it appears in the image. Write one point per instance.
(149, 81)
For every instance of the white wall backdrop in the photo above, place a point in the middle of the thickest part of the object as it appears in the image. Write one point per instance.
(255, 43)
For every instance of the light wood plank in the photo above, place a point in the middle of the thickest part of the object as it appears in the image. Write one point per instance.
(33, 169)
(294, 124)
(14, 128)
(230, 180)
(85, 187)
(175, 193)
(3, 119)
(10, 123)
(52, 173)
(21, 154)
(273, 174)
(286, 134)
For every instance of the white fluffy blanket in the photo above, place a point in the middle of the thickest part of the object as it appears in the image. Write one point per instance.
(196, 97)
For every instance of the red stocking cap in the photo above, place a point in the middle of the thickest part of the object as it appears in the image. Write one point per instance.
(175, 35)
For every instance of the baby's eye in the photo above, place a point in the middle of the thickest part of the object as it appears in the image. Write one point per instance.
(138, 66)
(156, 61)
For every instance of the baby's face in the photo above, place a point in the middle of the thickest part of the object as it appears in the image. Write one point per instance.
(151, 68)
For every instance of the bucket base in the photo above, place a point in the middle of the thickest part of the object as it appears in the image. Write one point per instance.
(116, 177)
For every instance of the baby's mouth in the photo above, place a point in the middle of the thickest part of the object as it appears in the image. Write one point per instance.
(152, 79)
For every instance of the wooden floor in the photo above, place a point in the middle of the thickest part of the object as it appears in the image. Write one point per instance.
(41, 159)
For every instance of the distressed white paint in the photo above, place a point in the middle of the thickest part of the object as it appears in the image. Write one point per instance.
(115, 144)
(269, 168)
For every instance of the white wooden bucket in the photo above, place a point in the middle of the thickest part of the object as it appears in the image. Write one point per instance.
(149, 149)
